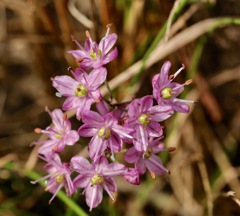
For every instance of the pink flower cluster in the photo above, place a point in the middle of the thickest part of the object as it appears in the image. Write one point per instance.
(134, 129)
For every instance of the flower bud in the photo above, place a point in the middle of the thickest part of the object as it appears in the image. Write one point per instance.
(132, 176)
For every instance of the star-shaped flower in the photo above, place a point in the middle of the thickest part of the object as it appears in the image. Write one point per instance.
(82, 90)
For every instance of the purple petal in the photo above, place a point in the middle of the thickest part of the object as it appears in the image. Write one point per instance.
(71, 137)
(132, 176)
(180, 107)
(113, 169)
(71, 103)
(146, 103)
(97, 77)
(142, 138)
(109, 185)
(110, 56)
(93, 119)
(97, 147)
(81, 76)
(102, 107)
(77, 54)
(161, 112)
(66, 85)
(94, 196)
(132, 155)
(164, 79)
(140, 166)
(81, 165)
(133, 108)
(123, 132)
(81, 181)
(155, 129)
(107, 43)
(57, 118)
(85, 105)
(69, 186)
(87, 130)
(154, 164)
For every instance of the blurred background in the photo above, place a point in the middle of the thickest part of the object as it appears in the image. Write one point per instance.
(201, 34)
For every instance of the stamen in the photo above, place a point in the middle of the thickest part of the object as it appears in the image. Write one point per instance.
(69, 69)
(153, 175)
(58, 94)
(188, 82)
(171, 149)
(108, 29)
(88, 35)
(65, 116)
(79, 60)
(112, 158)
(97, 100)
(171, 77)
(38, 130)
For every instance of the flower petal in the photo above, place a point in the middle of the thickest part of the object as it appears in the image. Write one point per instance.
(81, 165)
(107, 43)
(94, 195)
(131, 155)
(66, 85)
(97, 77)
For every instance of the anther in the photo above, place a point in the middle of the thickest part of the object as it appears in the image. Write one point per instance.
(69, 69)
(79, 60)
(171, 149)
(153, 175)
(64, 116)
(38, 130)
(188, 82)
(88, 35)
(171, 77)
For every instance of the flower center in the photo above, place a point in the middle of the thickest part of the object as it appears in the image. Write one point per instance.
(143, 119)
(104, 133)
(93, 55)
(81, 91)
(147, 153)
(96, 179)
(58, 134)
(59, 179)
(166, 93)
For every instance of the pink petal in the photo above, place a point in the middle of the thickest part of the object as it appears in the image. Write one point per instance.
(110, 56)
(71, 137)
(94, 196)
(66, 85)
(131, 155)
(107, 43)
(71, 103)
(81, 165)
(87, 130)
(97, 77)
